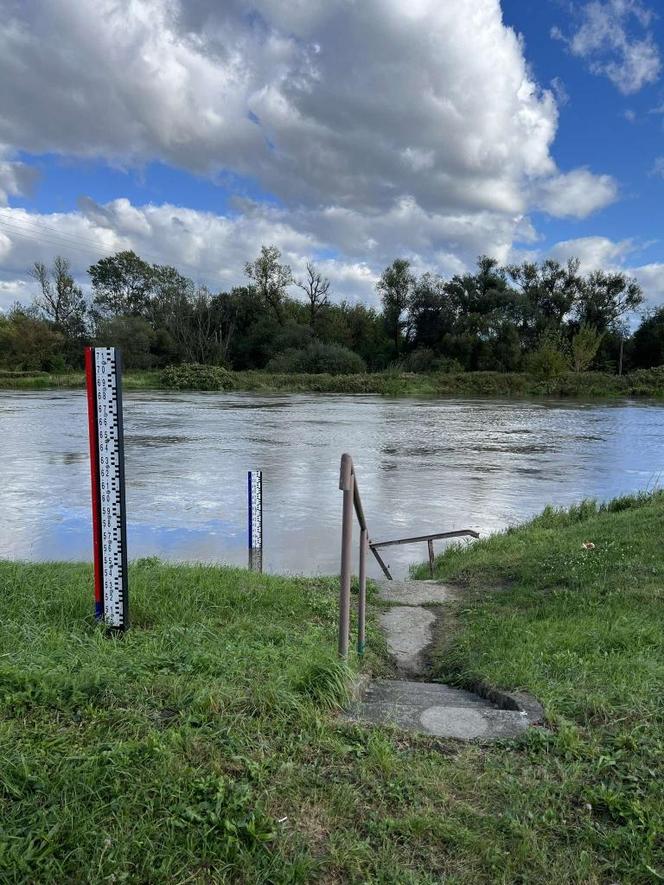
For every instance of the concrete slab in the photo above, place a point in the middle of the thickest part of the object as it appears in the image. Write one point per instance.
(430, 707)
(416, 592)
(408, 631)
(434, 709)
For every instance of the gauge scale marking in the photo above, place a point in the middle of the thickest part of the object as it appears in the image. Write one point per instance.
(255, 519)
(255, 478)
(103, 366)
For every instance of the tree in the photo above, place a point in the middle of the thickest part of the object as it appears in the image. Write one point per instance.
(271, 279)
(647, 345)
(133, 335)
(169, 291)
(204, 330)
(316, 287)
(430, 312)
(122, 284)
(28, 343)
(585, 345)
(550, 291)
(60, 301)
(396, 286)
(605, 298)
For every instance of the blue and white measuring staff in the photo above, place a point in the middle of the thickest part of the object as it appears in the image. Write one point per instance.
(255, 510)
(104, 389)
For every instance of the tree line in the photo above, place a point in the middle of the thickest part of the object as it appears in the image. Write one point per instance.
(544, 317)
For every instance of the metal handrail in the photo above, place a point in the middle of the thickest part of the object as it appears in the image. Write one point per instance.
(461, 533)
(352, 501)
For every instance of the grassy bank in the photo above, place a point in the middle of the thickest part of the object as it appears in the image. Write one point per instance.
(203, 746)
(642, 383)
(577, 618)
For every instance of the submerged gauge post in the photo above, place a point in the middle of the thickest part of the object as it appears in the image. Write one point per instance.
(255, 519)
(103, 369)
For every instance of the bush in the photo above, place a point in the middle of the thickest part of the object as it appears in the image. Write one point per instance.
(29, 344)
(316, 359)
(194, 376)
(550, 360)
(423, 359)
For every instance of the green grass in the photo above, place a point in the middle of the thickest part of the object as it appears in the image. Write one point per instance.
(204, 746)
(642, 383)
(132, 380)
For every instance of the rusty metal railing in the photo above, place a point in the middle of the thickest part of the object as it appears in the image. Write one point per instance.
(353, 501)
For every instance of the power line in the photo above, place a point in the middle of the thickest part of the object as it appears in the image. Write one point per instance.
(31, 229)
(34, 230)
(33, 224)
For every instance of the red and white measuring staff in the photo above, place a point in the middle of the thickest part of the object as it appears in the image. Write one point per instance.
(109, 528)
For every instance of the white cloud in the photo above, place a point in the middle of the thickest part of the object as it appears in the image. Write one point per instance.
(658, 167)
(576, 194)
(213, 248)
(353, 104)
(593, 252)
(605, 38)
(383, 128)
(12, 291)
(597, 253)
(560, 91)
(651, 277)
(16, 179)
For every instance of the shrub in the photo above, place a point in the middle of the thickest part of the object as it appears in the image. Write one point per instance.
(550, 360)
(585, 345)
(318, 358)
(423, 359)
(194, 376)
(29, 344)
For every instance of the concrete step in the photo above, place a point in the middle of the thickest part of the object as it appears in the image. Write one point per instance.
(408, 631)
(415, 592)
(434, 709)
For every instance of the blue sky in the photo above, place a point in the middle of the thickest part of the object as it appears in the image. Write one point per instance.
(594, 130)
(344, 133)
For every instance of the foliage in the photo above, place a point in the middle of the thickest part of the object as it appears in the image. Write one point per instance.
(579, 625)
(201, 746)
(61, 301)
(446, 381)
(28, 344)
(647, 345)
(489, 319)
(318, 358)
(396, 290)
(271, 279)
(194, 376)
(122, 284)
(606, 298)
(550, 360)
(133, 334)
(316, 288)
(585, 344)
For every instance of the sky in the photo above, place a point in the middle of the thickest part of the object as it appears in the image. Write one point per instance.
(347, 132)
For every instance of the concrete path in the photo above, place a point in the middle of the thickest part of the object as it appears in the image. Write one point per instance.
(408, 632)
(429, 707)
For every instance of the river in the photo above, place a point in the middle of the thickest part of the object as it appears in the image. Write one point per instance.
(423, 465)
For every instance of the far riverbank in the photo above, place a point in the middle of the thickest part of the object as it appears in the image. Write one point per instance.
(647, 383)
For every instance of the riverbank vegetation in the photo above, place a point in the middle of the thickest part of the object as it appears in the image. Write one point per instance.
(205, 746)
(545, 320)
(639, 383)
